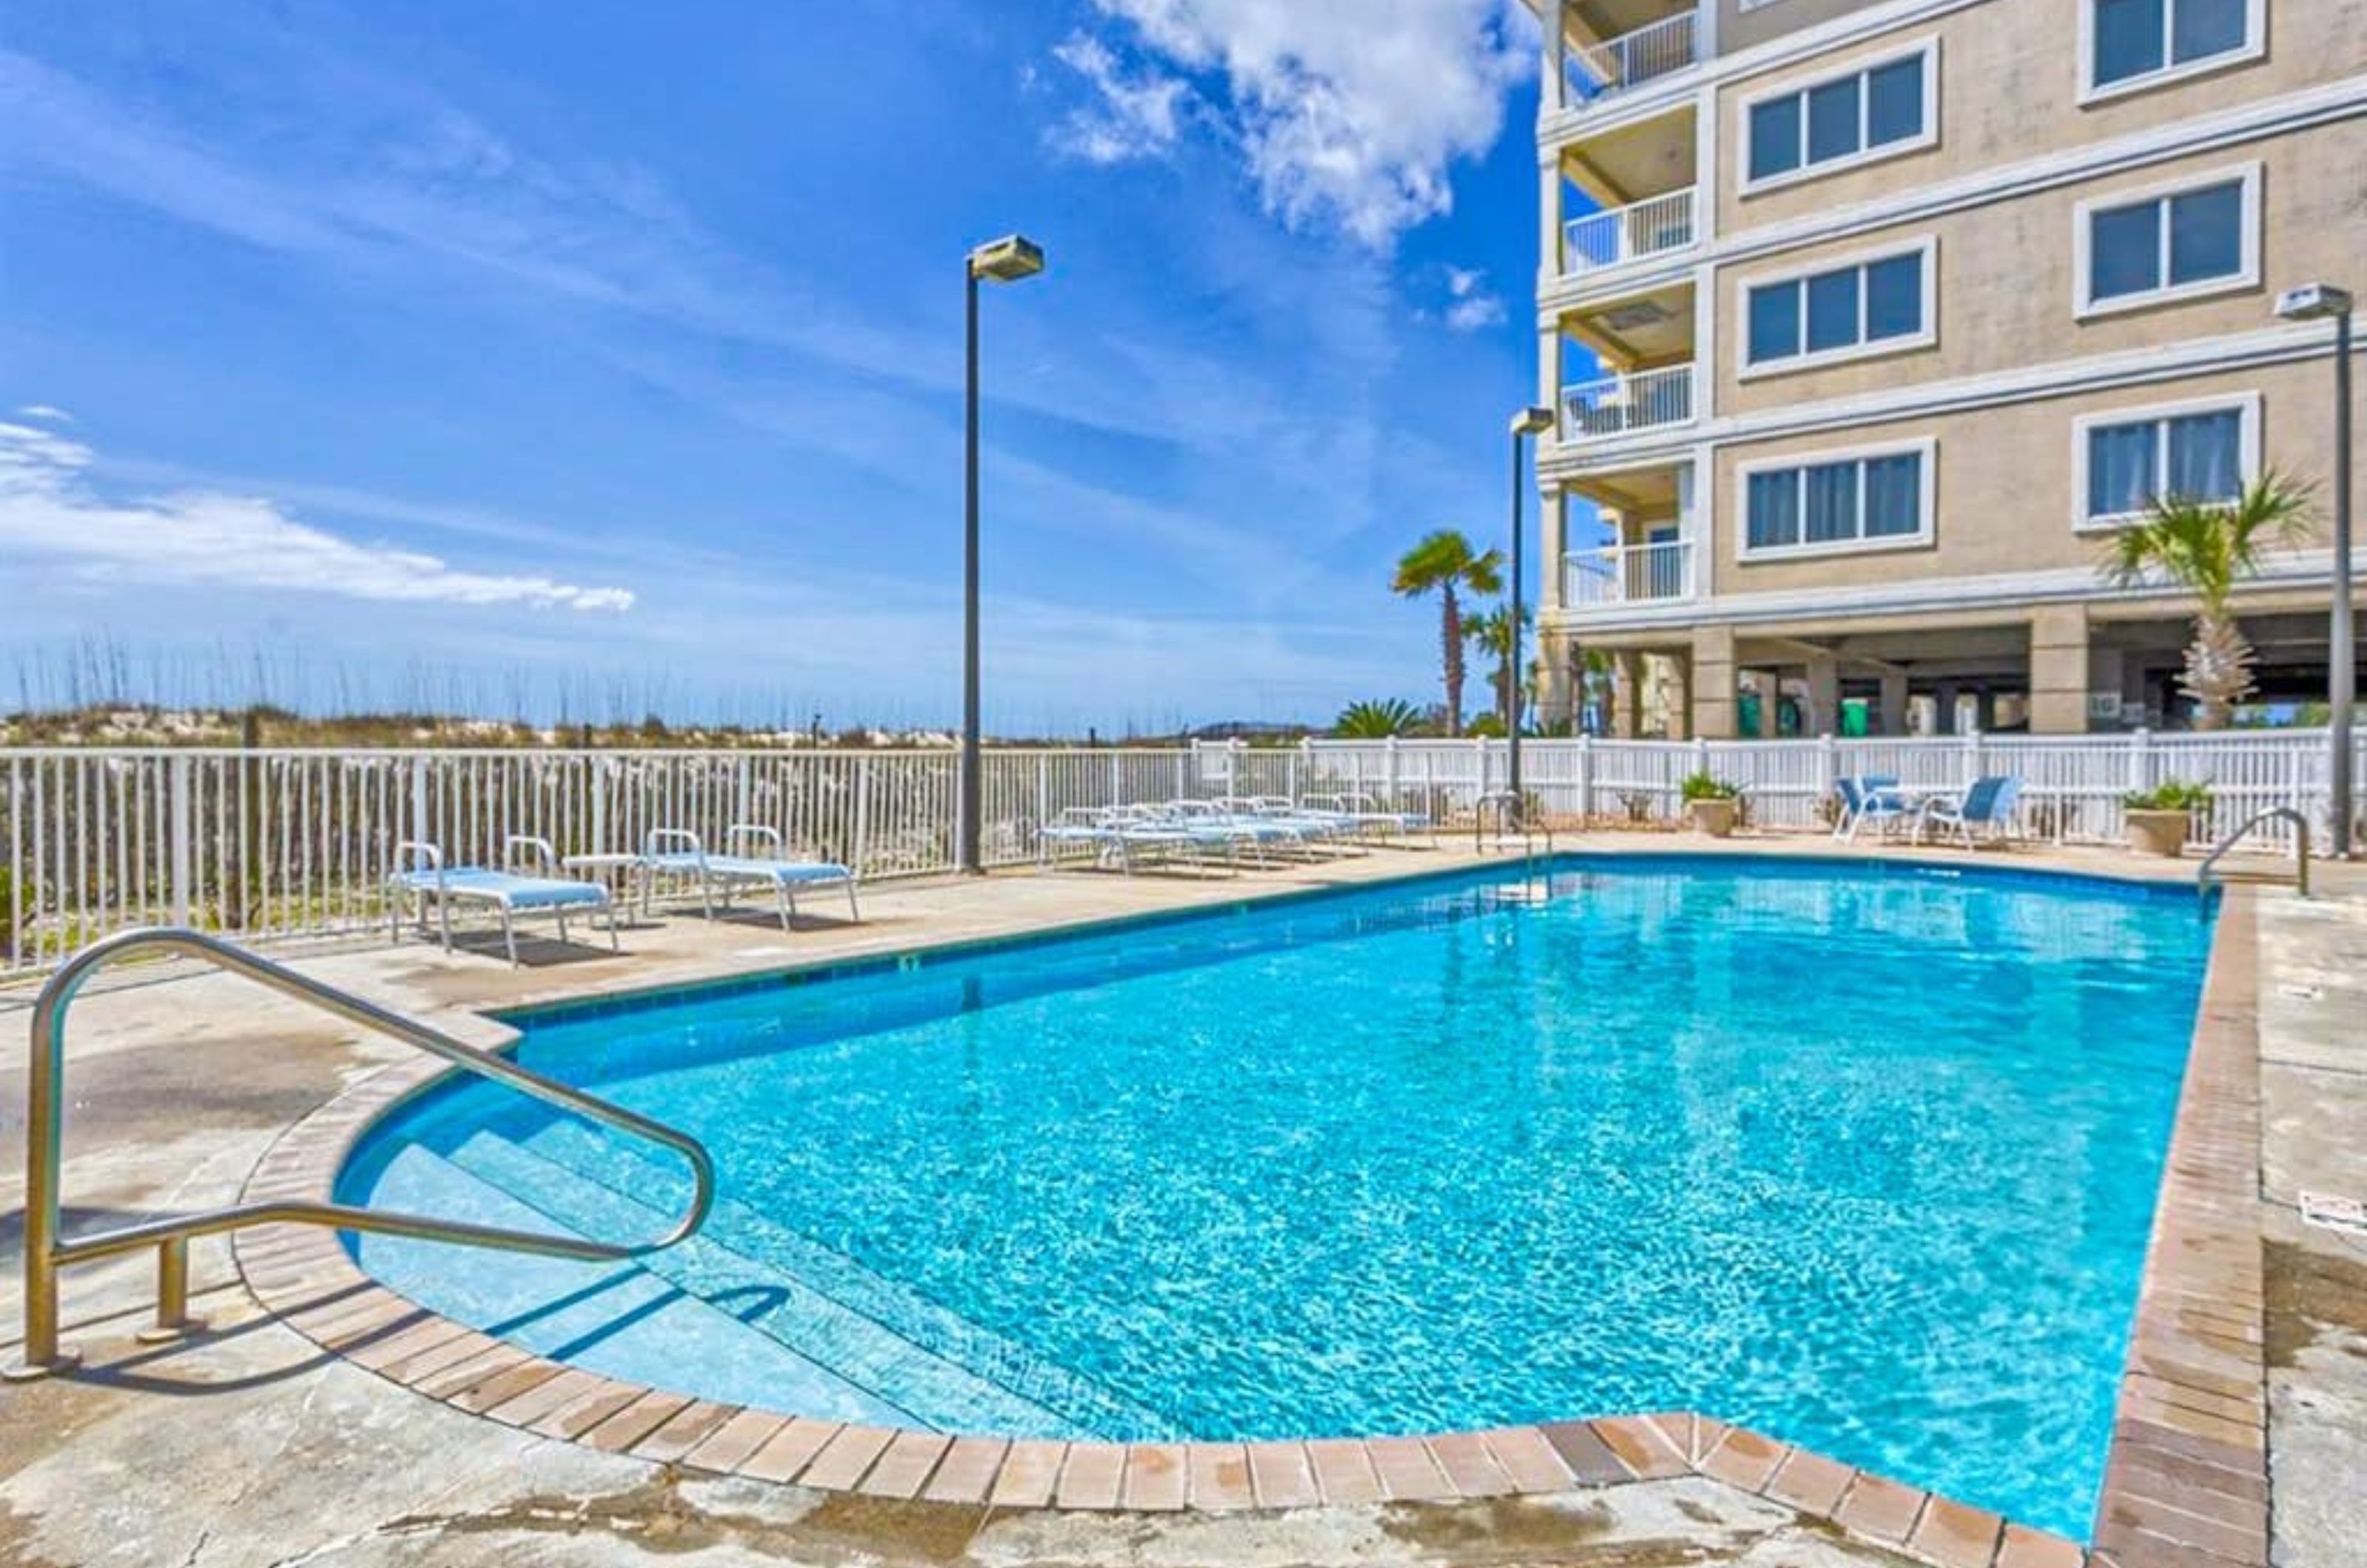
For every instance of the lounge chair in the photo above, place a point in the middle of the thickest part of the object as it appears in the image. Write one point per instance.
(1125, 838)
(1365, 812)
(1987, 806)
(421, 876)
(1875, 798)
(680, 855)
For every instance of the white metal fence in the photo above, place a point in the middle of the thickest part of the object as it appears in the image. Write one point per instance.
(1631, 60)
(1620, 405)
(281, 843)
(1657, 225)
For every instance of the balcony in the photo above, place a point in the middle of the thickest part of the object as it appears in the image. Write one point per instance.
(1628, 575)
(1625, 405)
(1601, 71)
(1655, 226)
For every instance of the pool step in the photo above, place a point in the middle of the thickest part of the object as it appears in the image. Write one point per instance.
(928, 1389)
(1084, 1408)
(618, 1318)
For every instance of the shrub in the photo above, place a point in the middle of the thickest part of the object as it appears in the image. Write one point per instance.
(1707, 786)
(2170, 795)
(1374, 720)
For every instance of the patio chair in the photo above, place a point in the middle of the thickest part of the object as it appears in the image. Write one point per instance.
(1872, 797)
(720, 874)
(1988, 806)
(422, 877)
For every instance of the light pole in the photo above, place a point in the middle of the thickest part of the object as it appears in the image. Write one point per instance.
(1006, 260)
(2315, 302)
(1531, 421)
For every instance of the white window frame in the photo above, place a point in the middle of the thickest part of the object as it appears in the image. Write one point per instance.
(2248, 275)
(1927, 448)
(2254, 46)
(1926, 47)
(2248, 448)
(1926, 248)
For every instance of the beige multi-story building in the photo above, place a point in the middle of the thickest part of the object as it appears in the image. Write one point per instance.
(1866, 320)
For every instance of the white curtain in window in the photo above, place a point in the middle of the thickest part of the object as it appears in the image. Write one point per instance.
(2120, 468)
(2206, 458)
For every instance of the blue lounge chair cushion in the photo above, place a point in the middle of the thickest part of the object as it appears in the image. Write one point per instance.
(505, 887)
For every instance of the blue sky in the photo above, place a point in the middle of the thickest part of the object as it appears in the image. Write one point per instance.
(508, 353)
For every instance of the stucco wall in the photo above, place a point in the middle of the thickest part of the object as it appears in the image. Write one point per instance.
(2004, 480)
(2009, 78)
(2005, 274)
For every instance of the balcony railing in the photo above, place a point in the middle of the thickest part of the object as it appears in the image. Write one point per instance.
(1620, 405)
(1628, 574)
(1655, 226)
(1631, 60)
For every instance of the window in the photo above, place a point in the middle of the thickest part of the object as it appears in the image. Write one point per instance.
(1860, 307)
(2196, 452)
(2170, 243)
(1882, 108)
(2132, 44)
(1857, 501)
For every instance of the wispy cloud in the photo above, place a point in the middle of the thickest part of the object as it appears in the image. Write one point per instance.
(1346, 111)
(1470, 304)
(51, 510)
(1132, 113)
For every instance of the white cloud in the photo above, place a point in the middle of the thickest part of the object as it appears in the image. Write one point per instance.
(50, 508)
(1348, 111)
(1134, 114)
(45, 413)
(1470, 305)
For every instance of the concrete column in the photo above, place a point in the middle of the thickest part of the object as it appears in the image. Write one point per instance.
(1550, 212)
(1553, 528)
(1824, 715)
(2058, 670)
(1556, 684)
(1943, 700)
(1676, 685)
(1626, 694)
(1556, 21)
(1894, 702)
(1712, 683)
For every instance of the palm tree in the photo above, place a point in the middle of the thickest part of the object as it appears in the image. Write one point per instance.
(2208, 547)
(1371, 720)
(1444, 562)
(1491, 631)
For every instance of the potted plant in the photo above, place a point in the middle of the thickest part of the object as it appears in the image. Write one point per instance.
(2158, 818)
(1713, 803)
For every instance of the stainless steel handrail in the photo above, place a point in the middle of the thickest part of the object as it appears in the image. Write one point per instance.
(2300, 822)
(45, 1254)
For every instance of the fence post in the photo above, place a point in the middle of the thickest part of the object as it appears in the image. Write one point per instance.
(1585, 779)
(2140, 759)
(1972, 757)
(1389, 774)
(419, 825)
(1043, 789)
(862, 811)
(1829, 772)
(181, 900)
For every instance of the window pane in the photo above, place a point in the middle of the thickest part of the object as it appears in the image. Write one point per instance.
(1832, 501)
(2200, 29)
(1775, 137)
(1893, 103)
(1774, 322)
(2120, 468)
(2206, 234)
(1894, 502)
(1894, 298)
(1832, 310)
(1832, 119)
(1774, 508)
(2128, 39)
(2124, 250)
(2206, 456)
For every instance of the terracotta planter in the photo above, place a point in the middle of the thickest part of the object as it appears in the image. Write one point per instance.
(2157, 832)
(1715, 818)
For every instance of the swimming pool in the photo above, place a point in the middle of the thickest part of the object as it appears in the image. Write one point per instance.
(1863, 1157)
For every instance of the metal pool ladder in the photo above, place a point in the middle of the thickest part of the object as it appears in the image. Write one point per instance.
(2300, 825)
(45, 1253)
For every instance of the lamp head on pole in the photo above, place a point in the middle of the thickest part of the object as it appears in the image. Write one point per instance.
(2313, 302)
(1533, 420)
(1007, 259)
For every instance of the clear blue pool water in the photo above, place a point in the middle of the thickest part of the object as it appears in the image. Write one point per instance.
(1861, 1156)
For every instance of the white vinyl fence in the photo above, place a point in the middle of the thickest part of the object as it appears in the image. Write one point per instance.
(283, 844)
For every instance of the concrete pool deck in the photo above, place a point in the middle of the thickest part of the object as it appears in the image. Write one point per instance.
(250, 1444)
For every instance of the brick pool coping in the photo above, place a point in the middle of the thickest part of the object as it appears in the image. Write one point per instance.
(2185, 1482)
